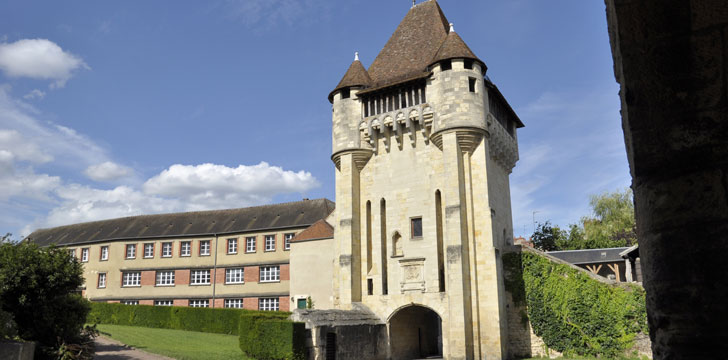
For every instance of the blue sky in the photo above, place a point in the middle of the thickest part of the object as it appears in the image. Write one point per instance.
(112, 109)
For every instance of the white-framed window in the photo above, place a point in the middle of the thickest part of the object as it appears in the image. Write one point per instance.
(287, 241)
(270, 273)
(84, 255)
(204, 247)
(130, 302)
(102, 280)
(200, 277)
(234, 276)
(234, 303)
(104, 253)
(165, 278)
(199, 303)
(149, 250)
(185, 248)
(250, 244)
(72, 253)
(131, 278)
(268, 304)
(232, 246)
(130, 251)
(167, 249)
(163, 302)
(270, 243)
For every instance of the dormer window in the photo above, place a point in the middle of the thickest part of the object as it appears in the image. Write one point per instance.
(345, 93)
(468, 64)
(446, 65)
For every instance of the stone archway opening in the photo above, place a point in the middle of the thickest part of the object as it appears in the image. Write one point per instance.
(415, 332)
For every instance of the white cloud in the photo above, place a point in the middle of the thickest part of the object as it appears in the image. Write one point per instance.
(35, 94)
(107, 171)
(22, 148)
(268, 13)
(211, 186)
(39, 59)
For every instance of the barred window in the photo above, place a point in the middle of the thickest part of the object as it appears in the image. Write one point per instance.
(131, 278)
(165, 278)
(268, 304)
(287, 240)
(163, 302)
(234, 276)
(167, 249)
(130, 302)
(270, 243)
(232, 246)
(234, 303)
(185, 248)
(130, 251)
(200, 303)
(204, 247)
(270, 273)
(149, 250)
(200, 277)
(250, 244)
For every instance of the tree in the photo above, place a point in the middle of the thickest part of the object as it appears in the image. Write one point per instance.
(547, 237)
(38, 288)
(612, 223)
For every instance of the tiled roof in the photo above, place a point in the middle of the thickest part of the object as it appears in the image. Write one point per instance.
(320, 230)
(454, 47)
(293, 214)
(355, 76)
(410, 49)
(588, 256)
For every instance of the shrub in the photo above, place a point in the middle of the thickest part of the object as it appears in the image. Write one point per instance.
(268, 337)
(38, 288)
(219, 321)
(576, 314)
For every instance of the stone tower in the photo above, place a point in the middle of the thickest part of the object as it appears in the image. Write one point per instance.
(424, 144)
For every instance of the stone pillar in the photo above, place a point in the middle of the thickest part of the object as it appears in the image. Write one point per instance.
(671, 60)
(458, 324)
(346, 233)
(627, 270)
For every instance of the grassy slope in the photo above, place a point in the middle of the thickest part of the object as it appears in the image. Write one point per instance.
(178, 344)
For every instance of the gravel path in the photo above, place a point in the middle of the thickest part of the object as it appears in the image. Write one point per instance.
(109, 349)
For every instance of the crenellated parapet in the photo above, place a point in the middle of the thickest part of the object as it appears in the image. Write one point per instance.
(401, 124)
(502, 146)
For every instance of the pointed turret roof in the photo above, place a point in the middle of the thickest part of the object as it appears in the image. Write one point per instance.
(412, 46)
(454, 47)
(355, 76)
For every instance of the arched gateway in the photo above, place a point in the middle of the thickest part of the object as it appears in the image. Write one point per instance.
(415, 332)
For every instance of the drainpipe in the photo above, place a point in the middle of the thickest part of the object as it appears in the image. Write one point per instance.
(214, 273)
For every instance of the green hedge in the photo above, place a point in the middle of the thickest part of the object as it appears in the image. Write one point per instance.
(220, 321)
(576, 314)
(268, 337)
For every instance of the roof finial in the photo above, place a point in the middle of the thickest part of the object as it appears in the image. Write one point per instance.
(356, 56)
(452, 27)
(413, 3)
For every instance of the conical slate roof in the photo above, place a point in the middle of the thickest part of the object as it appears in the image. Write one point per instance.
(412, 46)
(355, 76)
(454, 47)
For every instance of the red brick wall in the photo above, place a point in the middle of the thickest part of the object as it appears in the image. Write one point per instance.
(220, 277)
(147, 278)
(146, 302)
(219, 303)
(113, 301)
(182, 277)
(285, 272)
(252, 274)
(250, 303)
(180, 302)
(284, 303)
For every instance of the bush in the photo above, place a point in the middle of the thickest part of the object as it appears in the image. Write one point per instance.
(267, 337)
(578, 315)
(38, 288)
(219, 321)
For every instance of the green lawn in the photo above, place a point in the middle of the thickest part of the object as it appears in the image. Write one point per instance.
(178, 344)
